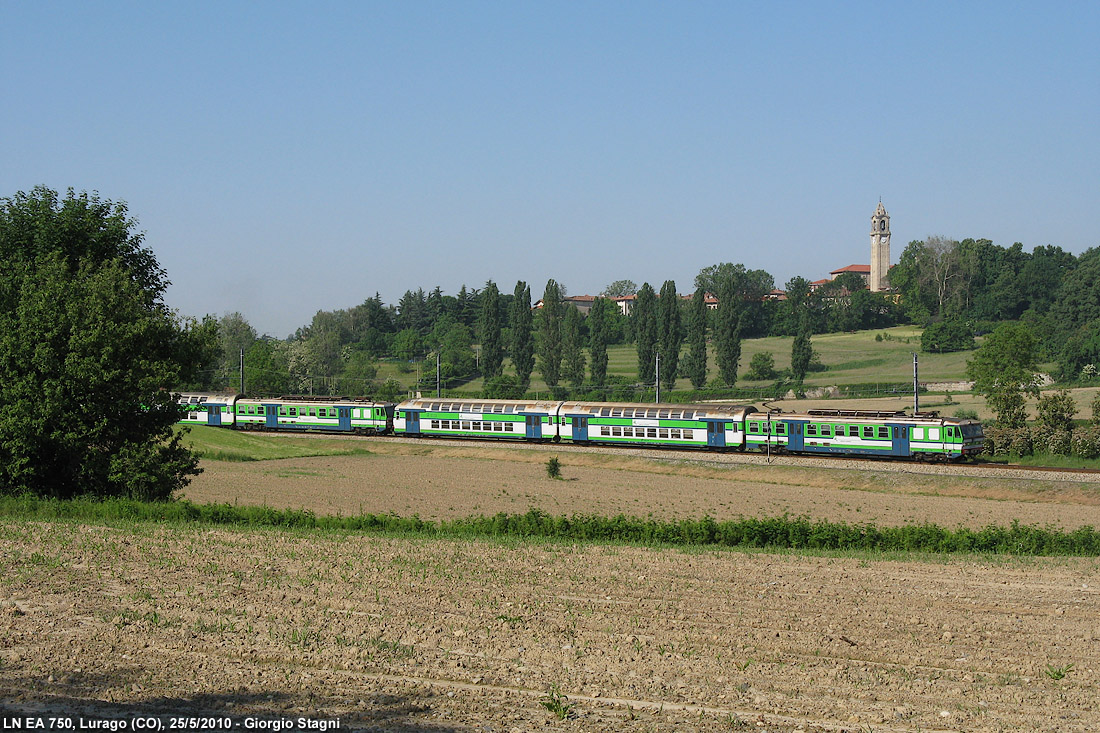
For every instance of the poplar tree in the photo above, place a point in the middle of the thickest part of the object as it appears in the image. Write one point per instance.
(489, 331)
(598, 322)
(670, 327)
(727, 331)
(572, 346)
(644, 316)
(549, 346)
(523, 346)
(696, 362)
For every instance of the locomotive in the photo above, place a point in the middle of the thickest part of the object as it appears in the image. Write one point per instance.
(923, 436)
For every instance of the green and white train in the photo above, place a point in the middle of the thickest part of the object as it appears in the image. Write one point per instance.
(924, 436)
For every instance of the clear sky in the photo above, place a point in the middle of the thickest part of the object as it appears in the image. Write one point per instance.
(288, 157)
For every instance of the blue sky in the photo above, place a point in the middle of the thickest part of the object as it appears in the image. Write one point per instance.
(288, 157)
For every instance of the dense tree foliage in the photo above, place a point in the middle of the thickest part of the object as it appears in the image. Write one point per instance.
(695, 364)
(619, 288)
(599, 325)
(646, 333)
(490, 331)
(572, 345)
(727, 329)
(549, 342)
(1004, 370)
(88, 354)
(950, 335)
(670, 333)
(523, 344)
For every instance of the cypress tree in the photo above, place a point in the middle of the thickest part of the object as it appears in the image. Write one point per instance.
(644, 316)
(696, 362)
(572, 346)
(671, 333)
(523, 346)
(549, 346)
(597, 339)
(489, 331)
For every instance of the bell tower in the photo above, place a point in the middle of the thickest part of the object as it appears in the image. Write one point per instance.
(880, 249)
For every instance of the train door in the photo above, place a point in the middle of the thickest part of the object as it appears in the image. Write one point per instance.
(214, 414)
(716, 434)
(796, 440)
(344, 413)
(900, 435)
(580, 428)
(412, 422)
(534, 426)
(271, 415)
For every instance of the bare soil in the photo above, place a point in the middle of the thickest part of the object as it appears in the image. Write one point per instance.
(425, 634)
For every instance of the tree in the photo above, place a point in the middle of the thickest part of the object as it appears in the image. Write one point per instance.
(235, 335)
(619, 288)
(266, 371)
(549, 345)
(802, 352)
(89, 354)
(670, 331)
(695, 365)
(599, 319)
(1056, 410)
(572, 346)
(727, 330)
(489, 331)
(950, 335)
(1004, 370)
(644, 316)
(523, 346)
(761, 367)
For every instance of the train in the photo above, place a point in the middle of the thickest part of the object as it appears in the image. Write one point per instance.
(885, 434)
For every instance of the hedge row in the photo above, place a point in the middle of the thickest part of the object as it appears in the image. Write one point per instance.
(796, 533)
(1082, 441)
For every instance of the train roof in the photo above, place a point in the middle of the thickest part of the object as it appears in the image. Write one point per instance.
(877, 416)
(310, 400)
(661, 409)
(201, 398)
(451, 404)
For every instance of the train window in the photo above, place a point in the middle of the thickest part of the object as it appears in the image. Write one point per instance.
(883, 432)
(616, 431)
(465, 425)
(782, 429)
(826, 431)
(868, 431)
(663, 413)
(477, 426)
(811, 429)
(663, 433)
(435, 425)
(508, 427)
(498, 427)
(605, 431)
(853, 431)
(652, 432)
(617, 412)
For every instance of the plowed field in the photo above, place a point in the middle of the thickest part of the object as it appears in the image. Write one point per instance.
(417, 634)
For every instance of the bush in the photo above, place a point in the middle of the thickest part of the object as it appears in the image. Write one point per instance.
(1086, 442)
(761, 367)
(945, 336)
(553, 468)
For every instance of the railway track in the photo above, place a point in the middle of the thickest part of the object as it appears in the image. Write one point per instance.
(977, 469)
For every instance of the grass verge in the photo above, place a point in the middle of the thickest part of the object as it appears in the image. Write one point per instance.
(794, 533)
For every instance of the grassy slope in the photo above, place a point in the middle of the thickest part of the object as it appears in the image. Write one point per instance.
(220, 444)
(850, 357)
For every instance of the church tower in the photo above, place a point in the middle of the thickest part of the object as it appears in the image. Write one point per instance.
(880, 249)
